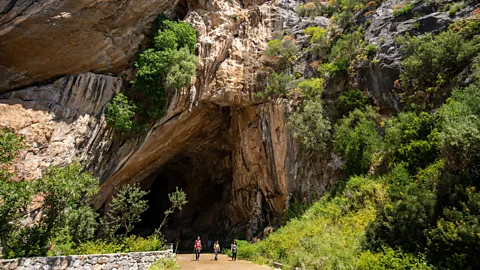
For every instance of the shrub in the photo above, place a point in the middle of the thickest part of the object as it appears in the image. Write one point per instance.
(351, 100)
(166, 67)
(64, 190)
(424, 79)
(357, 140)
(455, 240)
(455, 8)
(342, 53)
(390, 259)
(403, 223)
(125, 209)
(121, 245)
(401, 9)
(319, 40)
(412, 138)
(311, 89)
(164, 264)
(284, 50)
(310, 126)
(370, 50)
(10, 144)
(280, 84)
(120, 112)
(328, 234)
(460, 136)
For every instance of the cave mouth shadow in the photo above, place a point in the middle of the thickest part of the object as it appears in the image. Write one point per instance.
(204, 172)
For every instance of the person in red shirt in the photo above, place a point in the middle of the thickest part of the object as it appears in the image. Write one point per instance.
(197, 247)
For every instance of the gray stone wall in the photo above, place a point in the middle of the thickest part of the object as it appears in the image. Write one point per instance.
(120, 261)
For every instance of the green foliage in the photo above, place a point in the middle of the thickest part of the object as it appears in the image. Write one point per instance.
(455, 8)
(455, 241)
(328, 235)
(370, 50)
(431, 65)
(310, 126)
(178, 198)
(311, 89)
(412, 138)
(125, 209)
(280, 84)
(342, 53)
(351, 100)
(283, 51)
(166, 67)
(164, 264)
(64, 190)
(401, 9)
(403, 222)
(10, 144)
(319, 41)
(460, 136)
(120, 112)
(121, 245)
(390, 259)
(357, 140)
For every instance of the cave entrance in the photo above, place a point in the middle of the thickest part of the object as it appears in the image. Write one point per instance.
(203, 169)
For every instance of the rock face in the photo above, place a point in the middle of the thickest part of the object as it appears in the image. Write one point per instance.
(230, 152)
(59, 122)
(42, 40)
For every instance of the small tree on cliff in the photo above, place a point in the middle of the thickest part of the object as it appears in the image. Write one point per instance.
(125, 209)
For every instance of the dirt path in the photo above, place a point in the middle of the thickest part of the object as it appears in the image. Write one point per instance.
(187, 262)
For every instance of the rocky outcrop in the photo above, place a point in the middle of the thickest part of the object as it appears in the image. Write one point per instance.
(59, 122)
(43, 40)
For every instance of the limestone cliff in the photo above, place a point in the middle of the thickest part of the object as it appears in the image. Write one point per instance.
(230, 152)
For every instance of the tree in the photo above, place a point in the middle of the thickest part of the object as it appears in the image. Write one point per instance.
(310, 126)
(63, 189)
(120, 112)
(357, 140)
(178, 199)
(125, 210)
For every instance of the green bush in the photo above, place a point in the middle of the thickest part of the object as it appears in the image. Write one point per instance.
(351, 100)
(342, 53)
(280, 84)
(121, 245)
(319, 41)
(10, 144)
(311, 126)
(125, 209)
(166, 67)
(412, 138)
(460, 135)
(164, 264)
(357, 140)
(454, 242)
(64, 190)
(425, 80)
(120, 112)
(390, 259)
(404, 222)
(401, 9)
(283, 51)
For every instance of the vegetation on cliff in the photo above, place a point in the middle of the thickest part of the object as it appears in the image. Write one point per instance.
(165, 67)
(410, 198)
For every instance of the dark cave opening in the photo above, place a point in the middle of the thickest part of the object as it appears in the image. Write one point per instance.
(203, 169)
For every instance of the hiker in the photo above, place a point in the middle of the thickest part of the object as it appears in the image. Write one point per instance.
(197, 247)
(234, 250)
(216, 249)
